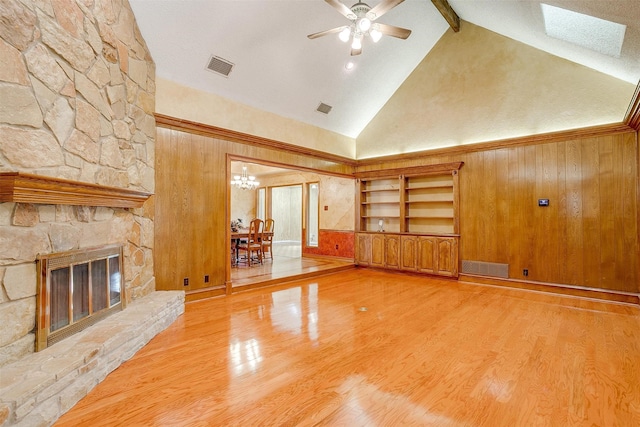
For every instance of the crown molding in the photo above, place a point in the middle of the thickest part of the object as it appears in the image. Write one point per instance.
(632, 118)
(245, 138)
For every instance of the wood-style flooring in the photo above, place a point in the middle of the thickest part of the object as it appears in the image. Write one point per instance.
(287, 262)
(373, 348)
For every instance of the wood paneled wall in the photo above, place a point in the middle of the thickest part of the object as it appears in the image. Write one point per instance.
(191, 199)
(587, 236)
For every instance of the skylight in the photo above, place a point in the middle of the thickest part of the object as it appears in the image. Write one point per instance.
(584, 30)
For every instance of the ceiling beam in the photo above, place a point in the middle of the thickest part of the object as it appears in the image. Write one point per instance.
(448, 13)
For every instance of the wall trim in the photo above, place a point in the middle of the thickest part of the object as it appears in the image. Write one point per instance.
(245, 138)
(328, 257)
(632, 117)
(598, 294)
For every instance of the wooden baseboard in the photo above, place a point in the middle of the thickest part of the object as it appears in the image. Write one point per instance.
(328, 257)
(198, 294)
(554, 288)
(284, 280)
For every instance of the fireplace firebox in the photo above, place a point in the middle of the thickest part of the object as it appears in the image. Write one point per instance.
(75, 290)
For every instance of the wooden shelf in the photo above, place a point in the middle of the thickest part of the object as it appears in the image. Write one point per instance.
(377, 190)
(429, 201)
(379, 203)
(21, 187)
(427, 187)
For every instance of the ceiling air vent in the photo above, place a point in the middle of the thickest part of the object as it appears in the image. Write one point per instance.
(220, 66)
(324, 108)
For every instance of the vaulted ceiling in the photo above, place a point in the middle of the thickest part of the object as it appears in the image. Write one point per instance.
(276, 68)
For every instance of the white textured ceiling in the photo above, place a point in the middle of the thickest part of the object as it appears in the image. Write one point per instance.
(278, 69)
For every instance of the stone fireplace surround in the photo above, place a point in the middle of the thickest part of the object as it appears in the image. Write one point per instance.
(77, 102)
(40, 387)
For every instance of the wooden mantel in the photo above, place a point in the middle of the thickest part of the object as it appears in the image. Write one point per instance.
(21, 187)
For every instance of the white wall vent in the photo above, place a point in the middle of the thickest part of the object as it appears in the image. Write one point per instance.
(220, 66)
(482, 268)
(324, 108)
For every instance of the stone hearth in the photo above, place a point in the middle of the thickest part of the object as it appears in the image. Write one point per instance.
(39, 388)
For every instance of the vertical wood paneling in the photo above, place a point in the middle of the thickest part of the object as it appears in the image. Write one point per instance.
(526, 207)
(562, 212)
(191, 202)
(591, 211)
(514, 225)
(607, 214)
(588, 236)
(574, 243)
(546, 217)
(490, 217)
(474, 204)
(630, 182)
(502, 206)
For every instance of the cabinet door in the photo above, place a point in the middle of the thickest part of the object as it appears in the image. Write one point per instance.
(364, 249)
(377, 250)
(409, 252)
(447, 253)
(427, 261)
(392, 251)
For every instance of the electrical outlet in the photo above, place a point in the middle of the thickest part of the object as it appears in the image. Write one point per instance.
(206, 278)
(525, 272)
(336, 246)
(186, 281)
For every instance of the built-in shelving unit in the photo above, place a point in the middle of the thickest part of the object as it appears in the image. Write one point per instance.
(380, 201)
(408, 219)
(429, 204)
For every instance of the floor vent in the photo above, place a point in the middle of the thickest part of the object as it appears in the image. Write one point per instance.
(220, 66)
(324, 108)
(482, 268)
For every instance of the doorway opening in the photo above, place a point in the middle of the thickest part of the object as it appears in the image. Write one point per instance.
(286, 211)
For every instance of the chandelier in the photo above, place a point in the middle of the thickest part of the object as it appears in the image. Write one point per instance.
(245, 181)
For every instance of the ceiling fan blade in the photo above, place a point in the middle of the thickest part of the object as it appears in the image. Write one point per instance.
(390, 30)
(324, 33)
(340, 7)
(355, 52)
(381, 8)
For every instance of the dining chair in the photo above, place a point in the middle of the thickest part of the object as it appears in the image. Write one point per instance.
(253, 244)
(267, 238)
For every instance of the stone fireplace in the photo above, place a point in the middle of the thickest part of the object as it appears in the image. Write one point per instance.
(77, 98)
(77, 153)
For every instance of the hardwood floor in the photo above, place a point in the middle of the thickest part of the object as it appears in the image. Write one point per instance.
(286, 262)
(372, 348)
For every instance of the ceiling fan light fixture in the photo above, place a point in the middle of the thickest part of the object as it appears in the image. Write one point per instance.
(345, 34)
(357, 41)
(375, 35)
(364, 24)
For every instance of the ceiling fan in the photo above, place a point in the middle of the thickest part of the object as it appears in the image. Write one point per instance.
(362, 18)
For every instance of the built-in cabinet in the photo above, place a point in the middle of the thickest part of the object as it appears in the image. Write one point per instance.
(408, 220)
(431, 254)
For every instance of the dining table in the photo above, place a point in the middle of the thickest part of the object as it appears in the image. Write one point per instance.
(237, 237)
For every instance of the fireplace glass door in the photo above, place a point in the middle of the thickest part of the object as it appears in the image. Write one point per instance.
(76, 289)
